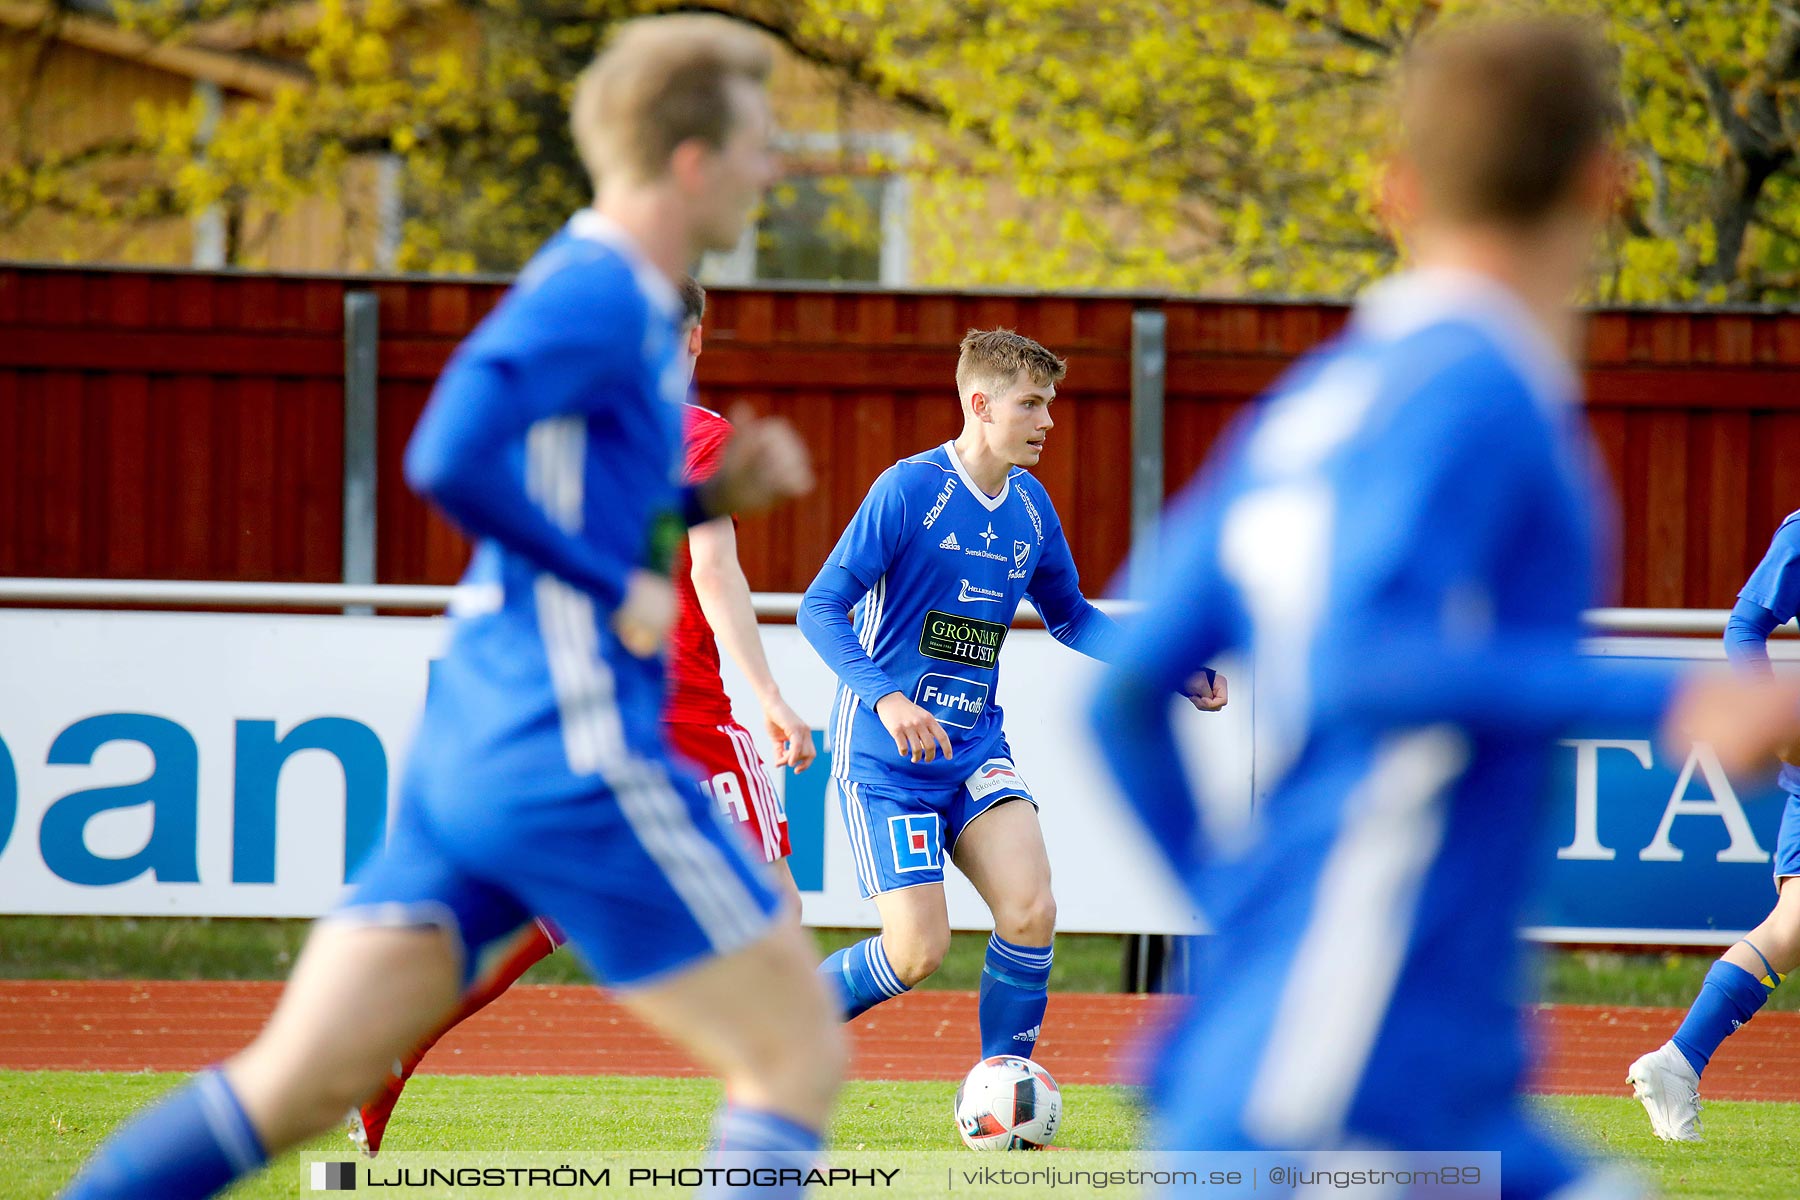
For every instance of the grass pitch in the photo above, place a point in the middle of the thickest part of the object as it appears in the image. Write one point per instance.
(248, 948)
(50, 1121)
(46, 1139)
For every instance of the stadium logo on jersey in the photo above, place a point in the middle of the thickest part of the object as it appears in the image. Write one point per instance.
(953, 701)
(949, 542)
(965, 640)
(1021, 552)
(917, 843)
(995, 775)
(972, 593)
(943, 498)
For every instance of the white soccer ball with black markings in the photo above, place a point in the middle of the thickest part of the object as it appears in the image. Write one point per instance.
(1008, 1103)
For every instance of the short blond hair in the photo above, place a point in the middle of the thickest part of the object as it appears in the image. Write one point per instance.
(1499, 116)
(992, 359)
(659, 82)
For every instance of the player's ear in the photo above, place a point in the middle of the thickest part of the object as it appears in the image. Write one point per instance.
(1398, 196)
(688, 165)
(981, 406)
(1603, 187)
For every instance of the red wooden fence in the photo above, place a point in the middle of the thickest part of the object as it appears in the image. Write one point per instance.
(189, 425)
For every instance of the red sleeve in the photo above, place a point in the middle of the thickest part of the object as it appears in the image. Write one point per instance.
(703, 444)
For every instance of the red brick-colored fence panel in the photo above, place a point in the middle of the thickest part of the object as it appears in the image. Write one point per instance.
(169, 424)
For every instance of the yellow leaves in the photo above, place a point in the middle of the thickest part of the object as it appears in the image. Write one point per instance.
(1193, 145)
(1650, 269)
(369, 57)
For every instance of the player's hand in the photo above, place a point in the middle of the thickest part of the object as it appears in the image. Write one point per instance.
(1744, 719)
(1206, 691)
(646, 614)
(917, 734)
(792, 736)
(764, 463)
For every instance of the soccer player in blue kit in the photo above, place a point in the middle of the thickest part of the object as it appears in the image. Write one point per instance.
(1667, 1079)
(1403, 536)
(539, 781)
(934, 564)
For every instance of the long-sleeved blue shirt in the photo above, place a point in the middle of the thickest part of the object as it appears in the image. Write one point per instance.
(1770, 597)
(1402, 537)
(553, 439)
(933, 569)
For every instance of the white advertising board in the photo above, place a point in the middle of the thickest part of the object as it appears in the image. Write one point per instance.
(175, 763)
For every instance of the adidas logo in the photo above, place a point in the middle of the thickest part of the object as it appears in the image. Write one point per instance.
(949, 542)
(1030, 1035)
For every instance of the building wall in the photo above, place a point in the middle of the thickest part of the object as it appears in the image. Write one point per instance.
(65, 100)
(74, 99)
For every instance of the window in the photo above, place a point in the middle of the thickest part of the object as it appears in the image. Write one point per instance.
(826, 224)
(822, 227)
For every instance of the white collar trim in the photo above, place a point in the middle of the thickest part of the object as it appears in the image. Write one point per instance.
(596, 226)
(1406, 303)
(988, 502)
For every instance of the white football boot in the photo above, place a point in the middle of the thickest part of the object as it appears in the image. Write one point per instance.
(1670, 1090)
(353, 1126)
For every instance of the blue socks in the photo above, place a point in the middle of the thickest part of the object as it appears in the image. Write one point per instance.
(190, 1145)
(1015, 990)
(1729, 997)
(749, 1145)
(861, 977)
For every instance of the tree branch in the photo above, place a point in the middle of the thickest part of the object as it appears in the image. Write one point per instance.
(1339, 30)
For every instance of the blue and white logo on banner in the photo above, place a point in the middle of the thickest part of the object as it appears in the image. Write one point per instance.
(1644, 848)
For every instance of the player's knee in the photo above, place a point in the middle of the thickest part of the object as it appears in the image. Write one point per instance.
(916, 955)
(1777, 939)
(1030, 922)
(1779, 943)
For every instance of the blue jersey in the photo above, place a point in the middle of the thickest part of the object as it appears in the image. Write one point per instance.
(1775, 587)
(553, 438)
(1403, 538)
(934, 569)
(1775, 584)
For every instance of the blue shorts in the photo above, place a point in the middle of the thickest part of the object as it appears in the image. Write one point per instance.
(900, 834)
(643, 877)
(1787, 841)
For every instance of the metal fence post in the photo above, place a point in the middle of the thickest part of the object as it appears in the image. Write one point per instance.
(362, 333)
(1149, 359)
(1145, 954)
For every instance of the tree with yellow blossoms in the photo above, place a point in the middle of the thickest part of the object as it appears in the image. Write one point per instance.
(1213, 146)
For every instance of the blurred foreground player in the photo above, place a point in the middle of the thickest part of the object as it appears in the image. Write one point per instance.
(1667, 1079)
(711, 595)
(539, 781)
(910, 611)
(1404, 536)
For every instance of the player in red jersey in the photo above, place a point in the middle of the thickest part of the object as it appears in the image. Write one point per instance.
(712, 608)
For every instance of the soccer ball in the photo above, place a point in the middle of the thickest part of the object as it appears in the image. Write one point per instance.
(1008, 1103)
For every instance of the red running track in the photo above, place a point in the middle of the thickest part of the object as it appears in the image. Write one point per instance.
(129, 1026)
